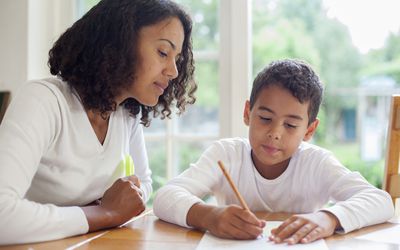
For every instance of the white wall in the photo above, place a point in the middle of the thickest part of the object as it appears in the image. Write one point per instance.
(13, 43)
(48, 19)
(234, 65)
(28, 28)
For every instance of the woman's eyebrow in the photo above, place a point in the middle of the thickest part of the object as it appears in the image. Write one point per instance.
(168, 41)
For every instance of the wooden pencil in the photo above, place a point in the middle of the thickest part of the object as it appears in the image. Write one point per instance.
(235, 190)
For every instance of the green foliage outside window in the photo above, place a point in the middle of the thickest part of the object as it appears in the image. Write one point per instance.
(291, 29)
(301, 29)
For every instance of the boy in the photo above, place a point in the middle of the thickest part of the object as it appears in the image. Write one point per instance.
(275, 170)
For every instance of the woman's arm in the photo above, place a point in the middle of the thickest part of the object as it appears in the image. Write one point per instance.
(30, 125)
(122, 201)
(139, 155)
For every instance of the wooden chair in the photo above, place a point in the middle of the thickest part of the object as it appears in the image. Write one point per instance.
(4, 101)
(391, 181)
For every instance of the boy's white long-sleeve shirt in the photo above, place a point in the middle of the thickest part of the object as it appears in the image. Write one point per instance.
(51, 162)
(313, 178)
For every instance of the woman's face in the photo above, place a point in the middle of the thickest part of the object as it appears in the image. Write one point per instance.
(159, 46)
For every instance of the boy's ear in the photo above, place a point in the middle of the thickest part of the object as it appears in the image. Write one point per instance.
(246, 113)
(311, 130)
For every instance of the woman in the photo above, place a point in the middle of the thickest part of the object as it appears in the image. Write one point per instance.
(64, 139)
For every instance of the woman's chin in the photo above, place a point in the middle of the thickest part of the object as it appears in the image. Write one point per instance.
(150, 103)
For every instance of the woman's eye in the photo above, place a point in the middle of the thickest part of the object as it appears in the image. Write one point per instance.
(162, 54)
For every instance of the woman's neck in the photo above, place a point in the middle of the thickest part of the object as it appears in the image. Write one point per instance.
(99, 124)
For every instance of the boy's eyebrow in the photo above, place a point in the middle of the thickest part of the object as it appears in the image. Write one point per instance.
(168, 41)
(297, 117)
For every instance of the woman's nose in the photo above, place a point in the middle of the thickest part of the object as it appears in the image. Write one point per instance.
(171, 70)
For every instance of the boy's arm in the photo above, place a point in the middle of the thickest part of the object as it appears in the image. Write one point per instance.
(357, 202)
(173, 201)
(225, 222)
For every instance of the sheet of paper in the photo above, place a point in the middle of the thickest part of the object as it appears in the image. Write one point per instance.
(387, 235)
(211, 242)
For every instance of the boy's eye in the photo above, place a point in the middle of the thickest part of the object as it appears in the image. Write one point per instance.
(162, 53)
(265, 119)
(290, 125)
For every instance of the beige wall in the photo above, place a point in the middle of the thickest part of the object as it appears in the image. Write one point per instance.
(28, 28)
(13, 43)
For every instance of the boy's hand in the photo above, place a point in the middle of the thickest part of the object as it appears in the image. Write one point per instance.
(226, 222)
(305, 228)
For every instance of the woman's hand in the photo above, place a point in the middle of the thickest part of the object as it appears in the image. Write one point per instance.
(122, 201)
(226, 222)
(305, 228)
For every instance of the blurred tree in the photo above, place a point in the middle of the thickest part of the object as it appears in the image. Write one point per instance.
(301, 29)
(205, 19)
(206, 39)
(385, 61)
(283, 39)
(340, 67)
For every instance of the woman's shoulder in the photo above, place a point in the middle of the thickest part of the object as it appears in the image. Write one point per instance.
(52, 89)
(47, 87)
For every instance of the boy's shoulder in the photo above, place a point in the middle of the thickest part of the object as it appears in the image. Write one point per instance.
(229, 146)
(309, 149)
(309, 157)
(234, 142)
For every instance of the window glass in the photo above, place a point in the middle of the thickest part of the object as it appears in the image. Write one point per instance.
(359, 74)
(202, 118)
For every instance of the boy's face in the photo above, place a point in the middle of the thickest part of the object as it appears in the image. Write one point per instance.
(278, 123)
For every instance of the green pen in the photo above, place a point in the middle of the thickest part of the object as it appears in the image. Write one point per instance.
(129, 167)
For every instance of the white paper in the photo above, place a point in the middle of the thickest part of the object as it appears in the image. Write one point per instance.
(211, 242)
(387, 235)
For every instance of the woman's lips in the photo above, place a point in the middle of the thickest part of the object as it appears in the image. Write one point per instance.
(161, 87)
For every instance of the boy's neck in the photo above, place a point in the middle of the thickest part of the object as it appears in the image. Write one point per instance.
(273, 171)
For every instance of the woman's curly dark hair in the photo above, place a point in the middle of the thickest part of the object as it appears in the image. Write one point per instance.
(97, 56)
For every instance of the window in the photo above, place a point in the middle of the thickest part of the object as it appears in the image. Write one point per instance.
(359, 76)
(233, 40)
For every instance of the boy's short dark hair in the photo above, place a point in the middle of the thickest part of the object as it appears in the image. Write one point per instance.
(297, 77)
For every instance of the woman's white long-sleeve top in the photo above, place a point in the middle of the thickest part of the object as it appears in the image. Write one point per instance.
(51, 162)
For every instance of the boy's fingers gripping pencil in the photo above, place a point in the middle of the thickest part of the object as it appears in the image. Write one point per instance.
(235, 190)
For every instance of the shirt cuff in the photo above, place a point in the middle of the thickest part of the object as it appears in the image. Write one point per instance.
(75, 221)
(343, 218)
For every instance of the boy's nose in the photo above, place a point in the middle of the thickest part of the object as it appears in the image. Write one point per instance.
(274, 134)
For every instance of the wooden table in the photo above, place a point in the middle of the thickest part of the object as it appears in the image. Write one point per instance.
(148, 232)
